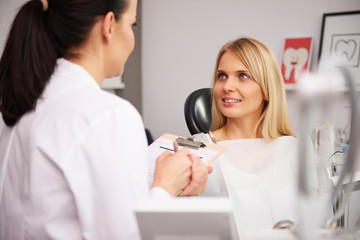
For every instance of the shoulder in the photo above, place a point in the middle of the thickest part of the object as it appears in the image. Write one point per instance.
(114, 103)
(72, 90)
(286, 143)
(286, 139)
(87, 104)
(284, 146)
(107, 109)
(294, 141)
(74, 113)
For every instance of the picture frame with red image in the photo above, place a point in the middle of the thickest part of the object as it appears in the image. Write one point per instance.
(296, 58)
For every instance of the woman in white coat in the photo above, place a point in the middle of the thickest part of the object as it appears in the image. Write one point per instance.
(249, 116)
(73, 158)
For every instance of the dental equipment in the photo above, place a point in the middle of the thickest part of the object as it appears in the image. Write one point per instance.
(315, 92)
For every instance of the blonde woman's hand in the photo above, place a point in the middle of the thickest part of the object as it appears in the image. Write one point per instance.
(199, 176)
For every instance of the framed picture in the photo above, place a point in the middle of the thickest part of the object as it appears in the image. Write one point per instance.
(340, 39)
(296, 58)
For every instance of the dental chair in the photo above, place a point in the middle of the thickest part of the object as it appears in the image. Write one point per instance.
(197, 109)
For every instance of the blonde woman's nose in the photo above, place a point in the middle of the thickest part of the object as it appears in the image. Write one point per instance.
(229, 84)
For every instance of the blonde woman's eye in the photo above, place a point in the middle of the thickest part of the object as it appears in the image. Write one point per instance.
(244, 76)
(221, 76)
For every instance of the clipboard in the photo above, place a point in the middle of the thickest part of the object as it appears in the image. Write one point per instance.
(207, 151)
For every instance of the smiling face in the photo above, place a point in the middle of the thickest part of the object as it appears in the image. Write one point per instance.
(237, 95)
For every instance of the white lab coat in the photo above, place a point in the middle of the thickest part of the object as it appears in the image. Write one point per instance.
(260, 177)
(75, 166)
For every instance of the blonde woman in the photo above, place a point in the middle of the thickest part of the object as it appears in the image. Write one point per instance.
(249, 116)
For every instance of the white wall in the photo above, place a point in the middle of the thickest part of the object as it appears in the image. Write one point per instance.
(8, 9)
(181, 38)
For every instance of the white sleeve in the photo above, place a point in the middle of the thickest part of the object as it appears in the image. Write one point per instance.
(106, 171)
(157, 192)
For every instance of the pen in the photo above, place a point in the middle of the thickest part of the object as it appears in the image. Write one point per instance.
(176, 146)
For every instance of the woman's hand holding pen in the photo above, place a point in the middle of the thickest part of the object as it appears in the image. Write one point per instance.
(181, 173)
(199, 175)
(173, 171)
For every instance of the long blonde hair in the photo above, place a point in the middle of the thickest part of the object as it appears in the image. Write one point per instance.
(263, 66)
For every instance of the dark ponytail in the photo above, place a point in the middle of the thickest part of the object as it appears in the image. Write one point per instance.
(36, 39)
(27, 62)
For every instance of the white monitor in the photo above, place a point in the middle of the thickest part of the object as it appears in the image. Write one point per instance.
(190, 218)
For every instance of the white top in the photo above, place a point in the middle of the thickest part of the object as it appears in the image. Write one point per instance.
(76, 165)
(260, 178)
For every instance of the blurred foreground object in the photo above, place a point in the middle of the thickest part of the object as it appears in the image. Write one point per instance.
(316, 94)
(186, 218)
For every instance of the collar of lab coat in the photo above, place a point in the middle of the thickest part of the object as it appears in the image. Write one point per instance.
(71, 70)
